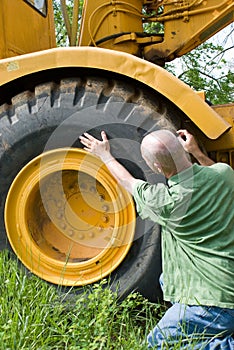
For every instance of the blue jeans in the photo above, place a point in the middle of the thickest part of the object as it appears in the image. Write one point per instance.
(194, 327)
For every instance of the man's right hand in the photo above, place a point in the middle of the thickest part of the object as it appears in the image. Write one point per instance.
(188, 141)
(102, 150)
(190, 145)
(99, 148)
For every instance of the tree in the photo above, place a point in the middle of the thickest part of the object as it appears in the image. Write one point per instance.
(209, 68)
(67, 15)
(60, 29)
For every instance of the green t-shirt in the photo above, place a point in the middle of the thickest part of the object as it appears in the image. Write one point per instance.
(196, 212)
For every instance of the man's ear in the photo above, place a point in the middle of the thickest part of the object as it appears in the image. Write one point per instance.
(157, 167)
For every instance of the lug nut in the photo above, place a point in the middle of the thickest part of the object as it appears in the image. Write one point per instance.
(91, 234)
(105, 207)
(83, 186)
(80, 236)
(71, 233)
(92, 189)
(63, 225)
(105, 219)
(59, 215)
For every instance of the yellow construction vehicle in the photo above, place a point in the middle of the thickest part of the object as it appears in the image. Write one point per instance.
(62, 212)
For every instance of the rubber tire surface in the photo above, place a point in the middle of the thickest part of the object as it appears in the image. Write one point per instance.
(54, 115)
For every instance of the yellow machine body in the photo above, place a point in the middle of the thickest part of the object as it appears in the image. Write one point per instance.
(31, 30)
(182, 25)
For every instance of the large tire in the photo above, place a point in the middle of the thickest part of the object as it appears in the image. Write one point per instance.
(54, 115)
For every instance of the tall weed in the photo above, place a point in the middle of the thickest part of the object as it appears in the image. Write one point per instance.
(34, 316)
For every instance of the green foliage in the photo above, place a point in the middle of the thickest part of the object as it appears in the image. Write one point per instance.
(34, 317)
(37, 316)
(151, 27)
(60, 29)
(205, 69)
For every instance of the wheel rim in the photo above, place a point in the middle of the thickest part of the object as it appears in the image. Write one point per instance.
(67, 219)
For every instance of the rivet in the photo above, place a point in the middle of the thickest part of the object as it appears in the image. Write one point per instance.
(101, 197)
(59, 215)
(105, 207)
(81, 236)
(63, 225)
(71, 233)
(92, 189)
(105, 218)
(83, 185)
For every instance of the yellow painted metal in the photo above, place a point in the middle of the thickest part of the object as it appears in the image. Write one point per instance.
(23, 29)
(225, 156)
(182, 25)
(226, 141)
(207, 120)
(103, 22)
(67, 219)
(187, 24)
(116, 25)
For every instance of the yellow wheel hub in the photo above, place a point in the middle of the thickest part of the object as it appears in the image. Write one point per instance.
(67, 219)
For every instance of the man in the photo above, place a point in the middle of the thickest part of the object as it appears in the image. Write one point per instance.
(196, 212)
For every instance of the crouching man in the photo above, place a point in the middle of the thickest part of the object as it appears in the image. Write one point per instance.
(196, 212)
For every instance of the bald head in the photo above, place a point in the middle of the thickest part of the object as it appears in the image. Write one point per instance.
(164, 153)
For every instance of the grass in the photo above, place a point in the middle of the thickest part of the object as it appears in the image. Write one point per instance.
(33, 316)
(36, 316)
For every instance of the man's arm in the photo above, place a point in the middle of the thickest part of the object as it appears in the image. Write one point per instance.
(102, 150)
(190, 145)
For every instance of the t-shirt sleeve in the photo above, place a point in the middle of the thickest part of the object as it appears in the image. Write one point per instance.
(225, 171)
(223, 168)
(153, 202)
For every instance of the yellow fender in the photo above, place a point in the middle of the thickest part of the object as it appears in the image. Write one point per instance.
(206, 119)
